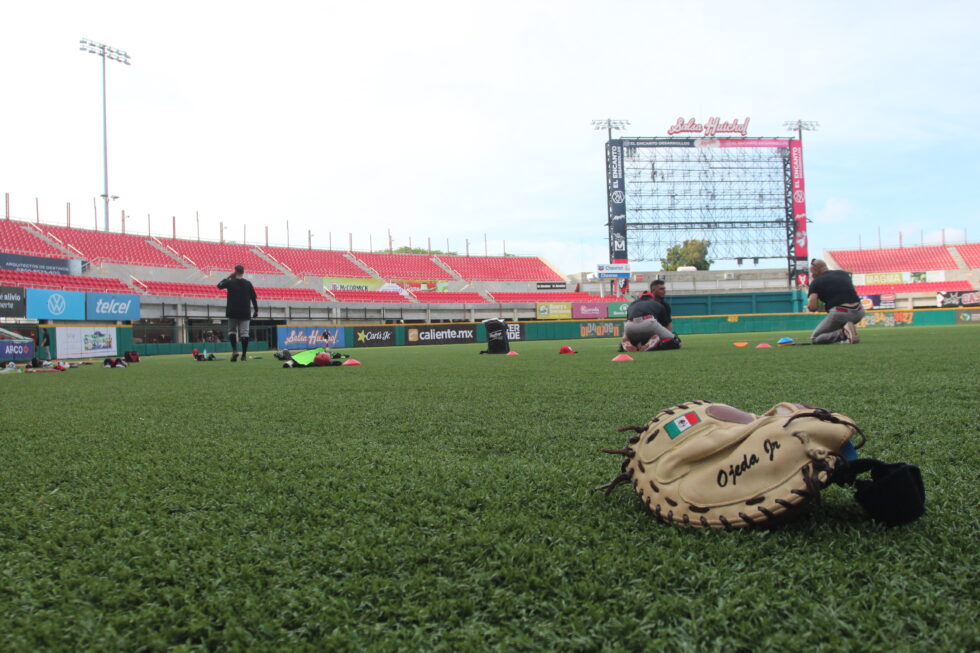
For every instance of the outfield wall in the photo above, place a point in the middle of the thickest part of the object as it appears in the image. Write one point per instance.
(386, 335)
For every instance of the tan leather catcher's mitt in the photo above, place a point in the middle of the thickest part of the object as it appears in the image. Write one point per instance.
(710, 465)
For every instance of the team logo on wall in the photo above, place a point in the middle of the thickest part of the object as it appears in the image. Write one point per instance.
(618, 196)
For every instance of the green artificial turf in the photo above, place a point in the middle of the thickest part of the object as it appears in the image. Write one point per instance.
(436, 499)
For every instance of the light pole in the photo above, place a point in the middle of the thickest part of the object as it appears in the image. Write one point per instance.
(610, 124)
(104, 51)
(800, 126)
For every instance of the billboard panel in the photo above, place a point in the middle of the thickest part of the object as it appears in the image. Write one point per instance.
(23, 263)
(554, 310)
(589, 310)
(13, 302)
(448, 334)
(55, 304)
(308, 337)
(106, 306)
(87, 342)
(800, 246)
(374, 336)
(616, 201)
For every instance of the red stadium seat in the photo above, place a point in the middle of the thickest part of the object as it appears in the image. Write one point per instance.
(403, 266)
(429, 297)
(970, 254)
(316, 262)
(526, 297)
(115, 248)
(500, 268)
(369, 296)
(925, 287)
(899, 259)
(63, 282)
(20, 238)
(207, 256)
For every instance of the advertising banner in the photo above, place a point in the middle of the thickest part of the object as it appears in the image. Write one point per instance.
(551, 285)
(374, 336)
(87, 342)
(308, 337)
(554, 310)
(600, 329)
(616, 201)
(881, 278)
(887, 319)
(968, 317)
(589, 310)
(107, 306)
(515, 331)
(22, 263)
(886, 300)
(16, 350)
(55, 304)
(438, 334)
(869, 302)
(951, 299)
(617, 309)
(800, 246)
(343, 283)
(13, 302)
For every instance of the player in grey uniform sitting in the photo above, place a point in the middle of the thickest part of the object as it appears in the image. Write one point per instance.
(645, 322)
(835, 289)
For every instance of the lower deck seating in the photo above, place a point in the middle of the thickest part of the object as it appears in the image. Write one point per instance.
(429, 297)
(532, 297)
(926, 287)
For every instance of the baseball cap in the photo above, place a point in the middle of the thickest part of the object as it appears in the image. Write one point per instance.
(239, 269)
(567, 350)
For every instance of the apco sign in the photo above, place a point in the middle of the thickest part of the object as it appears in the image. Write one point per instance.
(107, 306)
(374, 336)
(440, 335)
(712, 127)
(16, 350)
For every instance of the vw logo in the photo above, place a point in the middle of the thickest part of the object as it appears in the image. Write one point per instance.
(618, 196)
(56, 304)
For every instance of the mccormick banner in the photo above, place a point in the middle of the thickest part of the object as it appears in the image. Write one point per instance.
(616, 201)
(13, 302)
(800, 247)
(589, 310)
(55, 304)
(106, 306)
(554, 310)
(374, 336)
(448, 334)
(344, 283)
(309, 337)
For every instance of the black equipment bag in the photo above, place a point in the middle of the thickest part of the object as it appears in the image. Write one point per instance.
(497, 342)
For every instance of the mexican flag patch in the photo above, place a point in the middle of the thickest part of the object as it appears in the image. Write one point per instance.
(681, 424)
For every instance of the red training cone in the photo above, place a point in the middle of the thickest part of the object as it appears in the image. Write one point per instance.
(512, 353)
(622, 357)
(351, 361)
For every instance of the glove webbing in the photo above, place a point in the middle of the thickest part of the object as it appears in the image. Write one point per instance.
(895, 495)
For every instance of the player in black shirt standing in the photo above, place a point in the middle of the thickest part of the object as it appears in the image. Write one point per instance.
(835, 289)
(240, 294)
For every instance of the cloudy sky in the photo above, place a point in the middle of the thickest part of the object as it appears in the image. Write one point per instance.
(451, 120)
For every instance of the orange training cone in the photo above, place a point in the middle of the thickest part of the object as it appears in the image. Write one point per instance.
(351, 361)
(764, 345)
(512, 353)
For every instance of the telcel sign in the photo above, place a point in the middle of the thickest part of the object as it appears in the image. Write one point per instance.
(613, 271)
(106, 306)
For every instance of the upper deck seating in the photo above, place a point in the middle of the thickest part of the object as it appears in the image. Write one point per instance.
(208, 256)
(430, 297)
(531, 297)
(925, 287)
(970, 254)
(18, 238)
(369, 296)
(316, 262)
(403, 266)
(112, 247)
(501, 268)
(897, 259)
(63, 282)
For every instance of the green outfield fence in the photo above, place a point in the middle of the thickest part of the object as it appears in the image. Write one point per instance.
(408, 334)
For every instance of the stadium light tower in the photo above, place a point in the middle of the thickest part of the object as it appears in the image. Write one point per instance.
(609, 124)
(106, 52)
(799, 126)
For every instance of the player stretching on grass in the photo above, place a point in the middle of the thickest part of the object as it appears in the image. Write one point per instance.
(648, 322)
(835, 289)
(240, 293)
